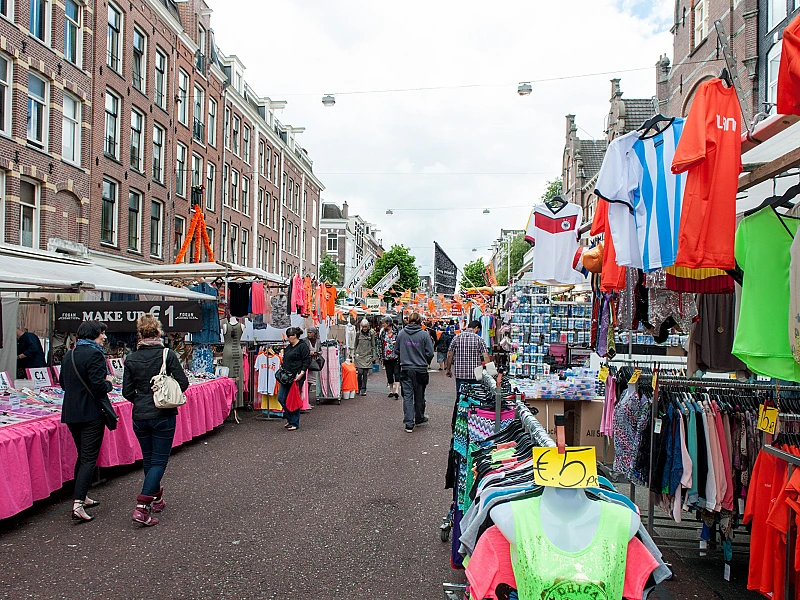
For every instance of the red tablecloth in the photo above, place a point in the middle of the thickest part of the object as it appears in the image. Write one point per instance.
(38, 457)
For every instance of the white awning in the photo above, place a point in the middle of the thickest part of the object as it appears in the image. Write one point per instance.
(24, 270)
(204, 270)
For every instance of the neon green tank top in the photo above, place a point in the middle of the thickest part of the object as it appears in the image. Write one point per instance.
(544, 572)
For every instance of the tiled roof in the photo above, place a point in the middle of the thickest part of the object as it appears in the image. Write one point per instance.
(637, 111)
(331, 211)
(592, 153)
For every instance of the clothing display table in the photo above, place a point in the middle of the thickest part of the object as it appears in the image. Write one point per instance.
(38, 456)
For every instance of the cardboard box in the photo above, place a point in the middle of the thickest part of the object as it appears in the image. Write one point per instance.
(548, 409)
(587, 430)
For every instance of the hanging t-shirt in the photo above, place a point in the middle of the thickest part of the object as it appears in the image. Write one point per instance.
(794, 299)
(274, 364)
(239, 298)
(788, 99)
(262, 368)
(763, 251)
(330, 300)
(710, 151)
(613, 276)
(257, 298)
(555, 236)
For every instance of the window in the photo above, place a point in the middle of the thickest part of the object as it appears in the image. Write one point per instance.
(305, 205)
(261, 213)
(224, 245)
(259, 247)
(212, 122)
(71, 131)
(178, 234)
(29, 196)
(283, 190)
(156, 231)
(210, 232)
(314, 214)
(275, 168)
(261, 150)
(225, 195)
(773, 62)
(226, 126)
(111, 147)
(233, 246)
(5, 95)
(333, 242)
(237, 124)
(291, 193)
(246, 195)
(108, 214)
(197, 180)
(200, 59)
(283, 232)
(275, 213)
(114, 42)
(313, 250)
(295, 240)
(776, 13)
(246, 144)
(158, 154)
(211, 176)
(5, 8)
(199, 101)
(134, 220)
(73, 43)
(161, 80)
(37, 113)
(234, 201)
(183, 97)
(274, 257)
(700, 22)
(180, 171)
(303, 245)
(297, 198)
(139, 59)
(137, 141)
(38, 23)
(245, 248)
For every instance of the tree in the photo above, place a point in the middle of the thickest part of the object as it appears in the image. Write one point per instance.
(474, 274)
(553, 189)
(396, 256)
(329, 270)
(518, 249)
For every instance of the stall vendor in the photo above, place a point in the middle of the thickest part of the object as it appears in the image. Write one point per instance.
(30, 353)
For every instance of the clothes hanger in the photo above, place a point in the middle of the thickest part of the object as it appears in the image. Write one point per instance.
(556, 203)
(652, 124)
(784, 200)
(725, 75)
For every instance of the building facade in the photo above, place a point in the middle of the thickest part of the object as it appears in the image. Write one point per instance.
(46, 67)
(773, 17)
(347, 238)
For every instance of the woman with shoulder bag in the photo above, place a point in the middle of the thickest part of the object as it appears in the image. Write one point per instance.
(86, 383)
(154, 427)
(296, 360)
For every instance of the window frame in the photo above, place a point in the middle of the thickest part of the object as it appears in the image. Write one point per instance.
(44, 118)
(211, 181)
(183, 97)
(7, 95)
(246, 143)
(114, 55)
(44, 25)
(245, 204)
(225, 183)
(224, 242)
(116, 125)
(135, 114)
(235, 130)
(211, 134)
(702, 26)
(35, 216)
(78, 27)
(245, 247)
(137, 247)
(159, 238)
(335, 238)
(161, 75)
(773, 59)
(178, 238)
(233, 234)
(234, 198)
(142, 56)
(158, 153)
(72, 123)
(180, 169)
(772, 20)
(114, 211)
(198, 123)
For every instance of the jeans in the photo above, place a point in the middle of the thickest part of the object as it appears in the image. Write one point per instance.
(363, 375)
(441, 357)
(293, 417)
(155, 438)
(88, 438)
(413, 384)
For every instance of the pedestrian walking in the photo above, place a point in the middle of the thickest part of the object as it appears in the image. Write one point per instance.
(442, 346)
(415, 349)
(296, 360)
(387, 343)
(154, 427)
(467, 352)
(366, 354)
(86, 382)
(315, 347)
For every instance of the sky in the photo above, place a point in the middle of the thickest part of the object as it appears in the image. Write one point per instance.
(438, 157)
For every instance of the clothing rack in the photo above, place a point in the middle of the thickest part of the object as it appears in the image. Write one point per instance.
(532, 426)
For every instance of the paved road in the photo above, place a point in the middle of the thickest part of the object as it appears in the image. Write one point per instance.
(346, 507)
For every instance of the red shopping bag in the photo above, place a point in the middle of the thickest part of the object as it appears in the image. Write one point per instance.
(294, 401)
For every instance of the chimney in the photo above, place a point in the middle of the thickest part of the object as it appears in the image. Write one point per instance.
(616, 92)
(571, 128)
(662, 79)
(345, 210)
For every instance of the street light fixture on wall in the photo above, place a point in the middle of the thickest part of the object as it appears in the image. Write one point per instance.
(328, 100)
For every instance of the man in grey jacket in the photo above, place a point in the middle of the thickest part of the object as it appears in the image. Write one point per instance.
(416, 351)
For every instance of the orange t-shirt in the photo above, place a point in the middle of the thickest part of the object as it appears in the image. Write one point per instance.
(613, 276)
(788, 99)
(710, 149)
(349, 377)
(330, 300)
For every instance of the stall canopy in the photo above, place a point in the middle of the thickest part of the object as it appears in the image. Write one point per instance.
(22, 270)
(202, 270)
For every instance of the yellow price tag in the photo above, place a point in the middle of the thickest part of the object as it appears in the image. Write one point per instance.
(635, 377)
(767, 419)
(655, 380)
(603, 376)
(575, 468)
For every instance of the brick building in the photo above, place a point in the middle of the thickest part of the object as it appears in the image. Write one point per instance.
(46, 65)
(773, 17)
(347, 238)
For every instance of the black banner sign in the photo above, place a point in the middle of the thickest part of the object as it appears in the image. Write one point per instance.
(181, 316)
(445, 273)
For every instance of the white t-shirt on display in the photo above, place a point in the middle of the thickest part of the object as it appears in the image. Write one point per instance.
(262, 367)
(555, 239)
(274, 365)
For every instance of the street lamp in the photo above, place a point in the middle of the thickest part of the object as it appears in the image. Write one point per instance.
(486, 211)
(524, 88)
(389, 212)
(328, 100)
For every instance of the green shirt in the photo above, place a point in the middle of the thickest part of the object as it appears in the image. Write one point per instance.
(545, 572)
(763, 244)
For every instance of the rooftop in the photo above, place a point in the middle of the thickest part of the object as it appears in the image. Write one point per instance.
(637, 111)
(592, 153)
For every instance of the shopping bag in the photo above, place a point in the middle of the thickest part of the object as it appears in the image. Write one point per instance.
(294, 401)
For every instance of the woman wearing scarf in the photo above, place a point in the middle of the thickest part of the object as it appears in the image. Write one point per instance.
(85, 381)
(154, 427)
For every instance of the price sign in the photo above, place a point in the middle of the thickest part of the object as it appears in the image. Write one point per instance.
(40, 377)
(116, 366)
(5, 382)
(635, 377)
(655, 379)
(603, 376)
(767, 419)
(575, 468)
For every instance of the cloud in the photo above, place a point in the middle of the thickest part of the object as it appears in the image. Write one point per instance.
(460, 149)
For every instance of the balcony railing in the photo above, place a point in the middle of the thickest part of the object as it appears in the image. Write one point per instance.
(198, 131)
(200, 62)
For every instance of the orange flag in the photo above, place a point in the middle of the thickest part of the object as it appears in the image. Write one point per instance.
(441, 298)
(431, 306)
(364, 307)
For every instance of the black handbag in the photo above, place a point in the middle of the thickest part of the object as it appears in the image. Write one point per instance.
(317, 363)
(283, 376)
(110, 417)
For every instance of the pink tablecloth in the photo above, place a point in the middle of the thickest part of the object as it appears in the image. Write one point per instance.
(38, 457)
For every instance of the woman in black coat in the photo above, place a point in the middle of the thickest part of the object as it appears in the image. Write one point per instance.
(85, 380)
(296, 360)
(154, 427)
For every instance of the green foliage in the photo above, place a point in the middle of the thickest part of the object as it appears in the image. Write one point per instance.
(518, 249)
(329, 271)
(474, 274)
(404, 260)
(553, 189)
